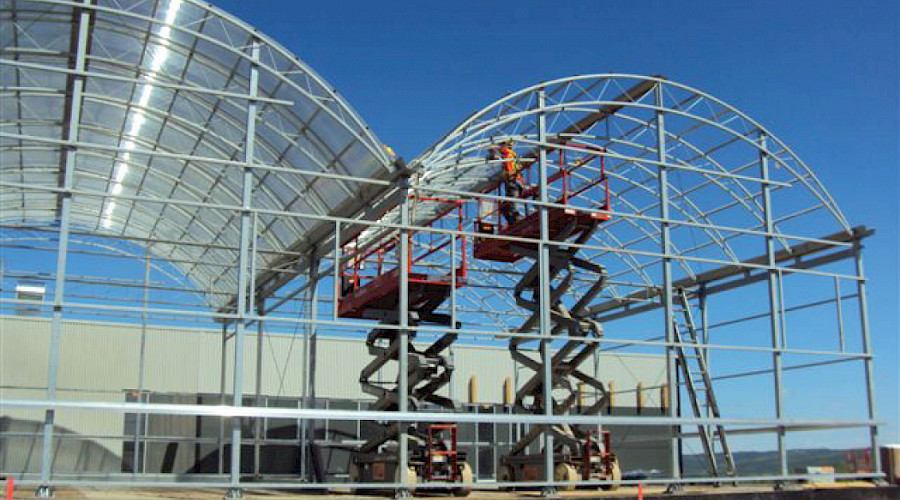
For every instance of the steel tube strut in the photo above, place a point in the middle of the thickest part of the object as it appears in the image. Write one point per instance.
(666, 240)
(243, 278)
(543, 292)
(774, 309)
(81, 40)
(868, 363)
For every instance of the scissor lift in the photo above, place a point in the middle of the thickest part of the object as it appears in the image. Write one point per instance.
(433, 454)
(579, 453)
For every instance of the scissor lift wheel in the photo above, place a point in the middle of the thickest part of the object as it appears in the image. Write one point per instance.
(566, 475)
(467, 478)
(411, 477)
(615, 476)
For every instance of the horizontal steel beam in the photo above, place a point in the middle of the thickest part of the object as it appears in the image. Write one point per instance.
(499, 418)
(357, 326)
(795, 252)
(360, 223)
(138, 81)
(675, 166)
(127, 480)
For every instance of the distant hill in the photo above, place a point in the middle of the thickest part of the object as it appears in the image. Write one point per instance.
(751, 463)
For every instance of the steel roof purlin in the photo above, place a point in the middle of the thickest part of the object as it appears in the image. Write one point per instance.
(163, 129)
(714, 152)
(164, 115)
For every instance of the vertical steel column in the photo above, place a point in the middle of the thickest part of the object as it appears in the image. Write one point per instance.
(867, 350)
(666, 237)
(135, 457)
(453, 287)
(68, 174)
(774, 300)
(313, 331)
(403, 334)
(781, 310)
(260, 333)
(222, 380)
(304, 397)
(243, 262)
(309, 380)
(544, 280)
(452, 354)
(257, 305)
(335, 299)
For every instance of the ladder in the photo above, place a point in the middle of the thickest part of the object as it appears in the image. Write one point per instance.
(695, 372)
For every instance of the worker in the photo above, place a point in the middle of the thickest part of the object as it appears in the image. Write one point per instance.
(396, 161)
(513, 181)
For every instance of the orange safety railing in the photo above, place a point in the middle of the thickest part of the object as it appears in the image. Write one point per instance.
(444, 240)
(571, 190)
(356, 263)
(576, 191)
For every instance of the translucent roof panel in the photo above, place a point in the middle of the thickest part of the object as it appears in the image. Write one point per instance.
(164, 116)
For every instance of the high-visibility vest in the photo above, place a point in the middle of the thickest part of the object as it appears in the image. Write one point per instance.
(512, 170)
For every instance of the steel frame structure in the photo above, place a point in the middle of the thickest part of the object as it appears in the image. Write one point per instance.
(280, 173)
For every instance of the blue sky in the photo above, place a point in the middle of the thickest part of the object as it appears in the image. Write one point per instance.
(823, 76)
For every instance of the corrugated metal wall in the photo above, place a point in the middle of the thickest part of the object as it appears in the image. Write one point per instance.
(102, 358)
(99, 361)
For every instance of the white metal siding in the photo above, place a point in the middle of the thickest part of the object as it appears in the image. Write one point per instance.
(99, 361)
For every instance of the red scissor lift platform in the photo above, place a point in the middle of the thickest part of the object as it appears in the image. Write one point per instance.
(370, 292)
(560, 219)
(383, 293)
(530, 227)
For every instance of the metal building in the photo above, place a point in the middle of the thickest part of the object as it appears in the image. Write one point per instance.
(179, 363)
(218, 237)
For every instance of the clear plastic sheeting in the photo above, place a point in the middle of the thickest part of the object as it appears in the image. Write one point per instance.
(164, 116)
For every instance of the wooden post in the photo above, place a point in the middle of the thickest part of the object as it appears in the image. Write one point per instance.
(639, 397)
(610, 396)
(508, 391)
(473, 390)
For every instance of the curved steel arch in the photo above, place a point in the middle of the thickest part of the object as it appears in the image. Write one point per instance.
(174, 76)
(201, 106)
(715, 143)
(432, 159)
